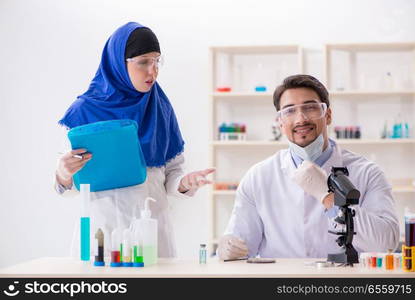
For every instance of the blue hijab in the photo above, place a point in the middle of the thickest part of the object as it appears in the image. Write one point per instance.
(111, 96)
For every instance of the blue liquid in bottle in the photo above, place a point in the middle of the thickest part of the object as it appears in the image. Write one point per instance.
(85, 238)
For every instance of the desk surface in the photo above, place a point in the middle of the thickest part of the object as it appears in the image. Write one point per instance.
(170, 268)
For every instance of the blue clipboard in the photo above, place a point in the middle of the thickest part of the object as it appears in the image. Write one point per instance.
(117, 159)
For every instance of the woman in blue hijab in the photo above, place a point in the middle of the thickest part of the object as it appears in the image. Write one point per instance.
(125, 87)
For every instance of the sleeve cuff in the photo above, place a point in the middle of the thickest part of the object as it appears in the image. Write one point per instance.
(64, 190)
(332, 212)
(173, 189)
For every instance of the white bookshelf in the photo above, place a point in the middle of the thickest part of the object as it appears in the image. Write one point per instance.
(268, 96)
(294, 53)
(395, 189)
(408, 141)
(353, 93)
(372, 93)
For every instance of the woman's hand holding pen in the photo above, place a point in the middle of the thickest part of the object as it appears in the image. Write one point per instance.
(70, 163)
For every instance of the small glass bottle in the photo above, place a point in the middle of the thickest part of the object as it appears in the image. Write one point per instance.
(202, 254)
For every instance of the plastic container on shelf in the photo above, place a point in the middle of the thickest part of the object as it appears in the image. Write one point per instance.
(259, 76)
(223, 73)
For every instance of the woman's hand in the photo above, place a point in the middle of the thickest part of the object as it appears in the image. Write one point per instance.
(69, 164)
(195, 180)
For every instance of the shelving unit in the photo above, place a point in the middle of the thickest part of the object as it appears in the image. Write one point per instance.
(244, 102)
(339, 141)
(397, 189)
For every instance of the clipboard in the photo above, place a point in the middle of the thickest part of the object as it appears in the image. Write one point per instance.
(117, 159)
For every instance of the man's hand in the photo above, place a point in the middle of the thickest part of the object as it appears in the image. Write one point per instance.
(231, 247)
(313, 180)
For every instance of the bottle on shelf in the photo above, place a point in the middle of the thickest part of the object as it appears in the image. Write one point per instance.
(389, 81)
(397, 128)
(233, 131)
(259, 85)
(223, 74)
(385, 131)
(348, 132)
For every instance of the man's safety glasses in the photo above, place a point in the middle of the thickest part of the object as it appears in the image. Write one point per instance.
(310, 111)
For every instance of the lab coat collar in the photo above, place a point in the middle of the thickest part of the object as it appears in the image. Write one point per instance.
(335, 160)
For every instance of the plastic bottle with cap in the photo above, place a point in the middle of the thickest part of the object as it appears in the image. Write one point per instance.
(148, 230)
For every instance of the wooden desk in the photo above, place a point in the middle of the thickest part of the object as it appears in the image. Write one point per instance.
(176, 268)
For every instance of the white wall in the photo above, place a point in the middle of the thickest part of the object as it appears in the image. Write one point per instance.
(50, 50)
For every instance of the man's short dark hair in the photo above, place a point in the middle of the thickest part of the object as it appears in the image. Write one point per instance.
(301, 81)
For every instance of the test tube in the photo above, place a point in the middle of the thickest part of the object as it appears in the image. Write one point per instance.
(337, 131)
(379, 260)
(389, 260)
(243, 129)
(363, 259)
(397, 260)
(373, 261)
(85, 223)
(138, 260)
(126, 249)
(222, 132)
(232, 132)
(368, 261)
(99, 248)
(115, 248)
(358, 133)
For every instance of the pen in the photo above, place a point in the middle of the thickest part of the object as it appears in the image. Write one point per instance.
(75, 155)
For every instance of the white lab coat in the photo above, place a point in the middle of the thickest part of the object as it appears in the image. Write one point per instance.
(160, 183)
(276, 218)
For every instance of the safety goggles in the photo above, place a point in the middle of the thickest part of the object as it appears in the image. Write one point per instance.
(144, 63)
(310, 111)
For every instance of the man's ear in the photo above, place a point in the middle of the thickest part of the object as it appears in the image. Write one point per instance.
(279, 121)
(328, 116)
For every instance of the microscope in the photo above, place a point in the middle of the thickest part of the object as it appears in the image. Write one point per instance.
(345, 194)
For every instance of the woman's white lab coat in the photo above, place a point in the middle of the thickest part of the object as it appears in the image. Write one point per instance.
(160, 183)
(277, 219)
